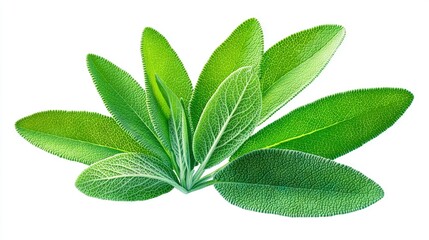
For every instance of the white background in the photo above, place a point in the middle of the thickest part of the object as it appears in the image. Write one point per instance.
(43, 49)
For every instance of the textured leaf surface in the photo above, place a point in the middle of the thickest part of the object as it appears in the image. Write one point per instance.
(125, 100)
(334, 125)
(177, 126)
(229, 117)
(293, 63)
(79, 136)
(126, 177)
(160, 59)
(244, 47)
(295, 184)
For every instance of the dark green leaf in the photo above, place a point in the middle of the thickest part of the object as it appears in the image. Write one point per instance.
(295, 184)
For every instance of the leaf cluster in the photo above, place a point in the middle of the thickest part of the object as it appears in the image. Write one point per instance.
(168, 134)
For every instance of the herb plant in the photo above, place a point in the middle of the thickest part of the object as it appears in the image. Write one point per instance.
(167, 135)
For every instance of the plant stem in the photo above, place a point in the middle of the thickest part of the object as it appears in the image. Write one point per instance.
(202, 185)
(199, 172)
(178, 186)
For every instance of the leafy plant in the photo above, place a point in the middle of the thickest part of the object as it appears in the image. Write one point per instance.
(167, 135)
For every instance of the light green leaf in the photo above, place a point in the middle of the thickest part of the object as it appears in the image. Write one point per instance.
(190, 134)
(126, 177)
(160, 59)
(229, 117)
(334, 125)
(126, 101)
(293, 63)
(244, 47)
(79, 136)
(295, 184)
(178, 129)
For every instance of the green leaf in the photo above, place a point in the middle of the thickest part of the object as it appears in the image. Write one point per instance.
(229, 117)
(244, 47)
(295, 184)
(79, 136)
(126, 101)
(334, 125)
(190, 134)
(160, 59)
(178, 128)
(293, 63)
(126, 177)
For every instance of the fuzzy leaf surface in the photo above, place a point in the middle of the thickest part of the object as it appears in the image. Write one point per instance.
(244, 47)
(79, 136)
(295, 184)
(293, 63)
(125, 100)
(229, 117)
(126, 177)
(160, 59)
(178, 127)
(334, 125)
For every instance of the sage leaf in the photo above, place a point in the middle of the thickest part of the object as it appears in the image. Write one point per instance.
(295, 184)
(334, 125)
(126, 101)
(178, 129)
(293, 63)
(126, 177)
(244, 47)
(160, 59)
(229, 117)
(78, 136)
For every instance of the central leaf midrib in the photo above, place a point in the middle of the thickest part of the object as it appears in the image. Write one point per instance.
(309, 133)
(329, 126)
(78, 140)
(219, 136)
(163, 179)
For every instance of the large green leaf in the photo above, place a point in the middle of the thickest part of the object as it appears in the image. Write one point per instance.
(126, 177)
(160, 59)
(229, 117)
(295, 184)
(334, 125)
(244, 47)
(79, 136)
(293, 63)
(125, 100)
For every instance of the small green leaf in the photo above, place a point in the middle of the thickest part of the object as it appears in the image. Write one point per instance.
(229, 117)
(179, 135)
(244, 47)
(334, 125)
(79, 136)
(293, 63)
(295, 184)
(160, 59)
(190, 134)
(126, 177)
(126, 101)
